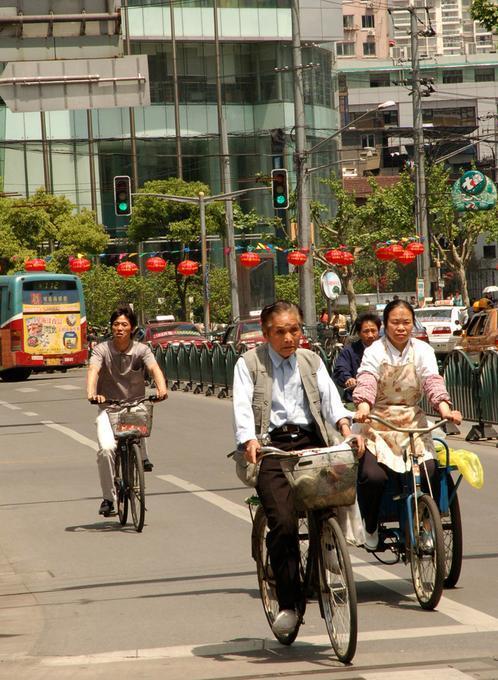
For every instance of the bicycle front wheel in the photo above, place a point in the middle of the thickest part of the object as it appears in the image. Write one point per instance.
(427, 556)
(121, 485)
(337, 590)
(136, 488)
(266, 579)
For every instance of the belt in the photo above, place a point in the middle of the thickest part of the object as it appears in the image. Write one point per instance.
(289, 428)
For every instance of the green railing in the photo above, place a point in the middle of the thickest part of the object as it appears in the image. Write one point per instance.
(209, 370)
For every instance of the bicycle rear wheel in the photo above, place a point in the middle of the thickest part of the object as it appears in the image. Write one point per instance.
(453, 538)
(427, 556)
(266, 580)
(337, 590)
(136, 487)
(121, 485)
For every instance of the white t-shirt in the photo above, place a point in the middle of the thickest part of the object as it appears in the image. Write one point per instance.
(382, 351)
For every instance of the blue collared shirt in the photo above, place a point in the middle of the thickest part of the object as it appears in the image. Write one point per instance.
(289, 403)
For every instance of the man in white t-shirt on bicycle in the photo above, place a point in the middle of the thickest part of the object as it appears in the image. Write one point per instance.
(117, 372)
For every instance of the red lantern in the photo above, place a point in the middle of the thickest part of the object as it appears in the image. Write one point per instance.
(78, 265)
(297, 258)
(35, 265)
(415, 247)
(127, 269)
(407, 258)
(347, 258)
(187, 267)
(397, 250)
(334, 256)
(384, 253)
(250, 259)
(155, 264)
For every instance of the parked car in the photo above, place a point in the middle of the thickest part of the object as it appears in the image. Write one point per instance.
(440, 323)
(165, 332)
(480, 334)
(247, 333)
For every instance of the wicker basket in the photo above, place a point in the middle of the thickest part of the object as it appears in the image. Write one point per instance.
(134, 420)
(322, 479)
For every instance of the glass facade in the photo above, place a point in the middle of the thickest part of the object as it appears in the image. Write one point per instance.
(256, 97)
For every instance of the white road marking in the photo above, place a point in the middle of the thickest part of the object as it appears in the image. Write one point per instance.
(234, 509)
(12, 407)
(29, 413)
(26, 389)
(72, 433)
(237, 647)
(423, 674)
(67, 387)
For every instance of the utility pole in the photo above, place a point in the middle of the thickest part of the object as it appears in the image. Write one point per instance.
(226, 179)
(306, 280)
(178, 137)
(131, 110)
(421, 214)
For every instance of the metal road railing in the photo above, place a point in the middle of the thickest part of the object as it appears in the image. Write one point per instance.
(473, 387)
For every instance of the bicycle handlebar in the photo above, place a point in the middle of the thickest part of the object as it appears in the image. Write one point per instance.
(119, 402)
(406, 430)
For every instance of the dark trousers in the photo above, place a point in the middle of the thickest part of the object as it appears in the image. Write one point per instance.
(372, 478)
(278, 503)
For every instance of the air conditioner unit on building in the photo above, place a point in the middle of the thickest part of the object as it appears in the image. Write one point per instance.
(370, 5)
(371, 32)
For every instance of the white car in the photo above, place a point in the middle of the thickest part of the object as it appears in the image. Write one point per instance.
(440, 323)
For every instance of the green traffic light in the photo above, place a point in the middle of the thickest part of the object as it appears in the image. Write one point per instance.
(123, 207)
(280, 200)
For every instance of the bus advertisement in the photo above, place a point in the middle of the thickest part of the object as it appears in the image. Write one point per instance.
(42, 324)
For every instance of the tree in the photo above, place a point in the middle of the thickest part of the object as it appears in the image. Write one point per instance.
(155, 217)
(486, 12)
(47, 225)
(387, 214)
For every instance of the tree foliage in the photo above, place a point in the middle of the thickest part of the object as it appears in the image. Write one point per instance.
(486, 12)
(155, 217)
(46, 225)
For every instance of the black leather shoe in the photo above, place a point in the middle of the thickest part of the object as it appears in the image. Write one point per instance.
(148, 465)
(106, 508)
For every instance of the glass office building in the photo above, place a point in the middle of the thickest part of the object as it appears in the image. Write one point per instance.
(254, 41)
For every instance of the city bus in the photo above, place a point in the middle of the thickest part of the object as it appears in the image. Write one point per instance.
(42, 324)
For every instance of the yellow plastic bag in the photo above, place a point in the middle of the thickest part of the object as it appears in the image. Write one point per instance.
(468, 464)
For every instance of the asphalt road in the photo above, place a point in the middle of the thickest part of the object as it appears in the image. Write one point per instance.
(82, 597)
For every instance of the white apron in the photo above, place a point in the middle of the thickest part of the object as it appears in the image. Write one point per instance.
(399, 392)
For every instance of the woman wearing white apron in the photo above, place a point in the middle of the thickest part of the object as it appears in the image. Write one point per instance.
(395, 373)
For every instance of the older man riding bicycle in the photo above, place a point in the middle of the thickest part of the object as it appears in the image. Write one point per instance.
(286, 392)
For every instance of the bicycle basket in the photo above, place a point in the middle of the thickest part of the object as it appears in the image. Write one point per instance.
(134, 420)
(322, 478)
